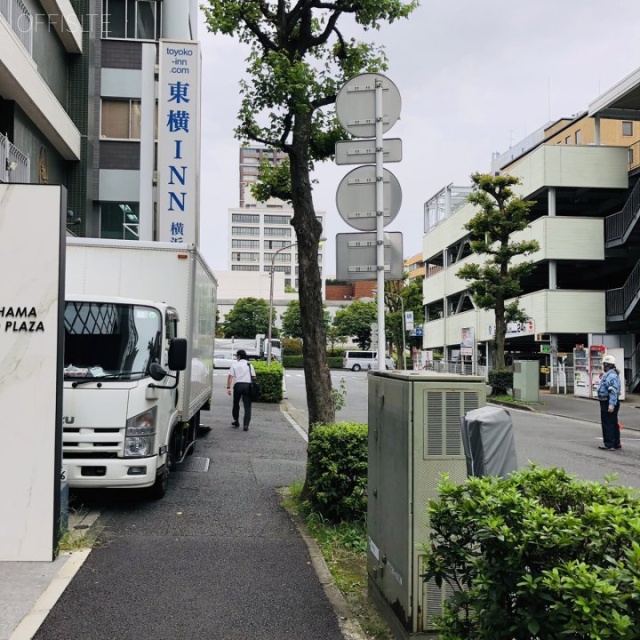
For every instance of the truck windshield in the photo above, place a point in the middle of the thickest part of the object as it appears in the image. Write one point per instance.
(105, 339)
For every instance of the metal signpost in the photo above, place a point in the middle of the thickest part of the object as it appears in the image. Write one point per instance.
(368, 105)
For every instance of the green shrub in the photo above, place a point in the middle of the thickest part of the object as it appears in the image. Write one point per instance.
(269, 379)
(538, 555)
(292, 346)
(500, 380)
(338, 352)
(337, 471)
(297, 362)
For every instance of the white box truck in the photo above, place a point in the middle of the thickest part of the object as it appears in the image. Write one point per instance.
(139, 325)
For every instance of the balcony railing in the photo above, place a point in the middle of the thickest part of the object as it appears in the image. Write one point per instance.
(14, 165)
(20, 20)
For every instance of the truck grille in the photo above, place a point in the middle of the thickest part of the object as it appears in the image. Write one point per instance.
(92, 442)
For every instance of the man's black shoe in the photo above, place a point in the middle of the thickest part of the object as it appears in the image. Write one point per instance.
(606, 448)
(235, 425)
(246, 427)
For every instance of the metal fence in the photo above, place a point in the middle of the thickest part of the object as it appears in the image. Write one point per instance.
(19, 18)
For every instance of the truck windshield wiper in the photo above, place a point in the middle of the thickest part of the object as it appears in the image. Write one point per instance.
(122, 375)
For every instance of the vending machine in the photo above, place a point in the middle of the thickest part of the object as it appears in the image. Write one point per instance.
(581, 373)
(596, 353)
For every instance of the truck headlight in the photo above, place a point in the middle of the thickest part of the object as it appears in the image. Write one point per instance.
(140, 434)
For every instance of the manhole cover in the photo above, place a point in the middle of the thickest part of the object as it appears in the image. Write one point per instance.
(194, 463)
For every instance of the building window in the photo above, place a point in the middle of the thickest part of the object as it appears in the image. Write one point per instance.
(245, 231)
(630, 156)
(627, 128)
(279, 257)
(282, 232)
(287, 282)
(245, 244)
(244, 256)
(135, 19)
(567, 140)
(271, 219)
(246, 218)
(276, 244)
(119, 220)
(120, 119)
(245, 267)
(579, 136)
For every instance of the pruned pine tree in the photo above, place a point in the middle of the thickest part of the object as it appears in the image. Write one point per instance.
(496, 279)
(298, 60)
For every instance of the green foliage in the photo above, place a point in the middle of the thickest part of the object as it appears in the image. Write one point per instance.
(292, 346)
(269, 379)
(292, 322)
(248, 317)
(333, 336)
(297, 362)
(500, 380)
(337, 471)
(339, 395)
(539, 555)
(355, 321)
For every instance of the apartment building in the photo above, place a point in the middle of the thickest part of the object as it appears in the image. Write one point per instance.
(40, 141)
(261, 238)
(79, 107)
(582, 173)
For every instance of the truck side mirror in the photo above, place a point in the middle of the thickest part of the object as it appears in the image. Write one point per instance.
(178, 354)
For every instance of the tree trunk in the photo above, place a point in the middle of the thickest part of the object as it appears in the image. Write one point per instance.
(308, 232)
(501, 331)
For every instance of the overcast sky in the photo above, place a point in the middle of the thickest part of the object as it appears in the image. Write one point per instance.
(474, 78)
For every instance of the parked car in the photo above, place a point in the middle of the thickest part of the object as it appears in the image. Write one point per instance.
(358, 360)
(222, 360)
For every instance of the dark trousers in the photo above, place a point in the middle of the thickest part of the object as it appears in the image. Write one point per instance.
(609, 421)
(242, 390)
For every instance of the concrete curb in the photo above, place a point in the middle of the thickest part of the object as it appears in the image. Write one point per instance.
(30, 624)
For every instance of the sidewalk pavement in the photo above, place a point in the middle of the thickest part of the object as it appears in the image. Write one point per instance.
(217, 558)
(568, 406)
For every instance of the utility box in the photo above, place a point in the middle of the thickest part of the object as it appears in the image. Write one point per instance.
(526, 380)
(414, 437)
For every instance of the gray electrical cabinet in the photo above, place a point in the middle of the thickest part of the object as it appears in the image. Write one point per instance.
(526, 377)
(414, 438)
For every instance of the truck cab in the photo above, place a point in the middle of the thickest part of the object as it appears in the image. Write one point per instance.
(120, 427)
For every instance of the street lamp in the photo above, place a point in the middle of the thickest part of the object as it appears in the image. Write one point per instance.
(273, 268)
(397, 295)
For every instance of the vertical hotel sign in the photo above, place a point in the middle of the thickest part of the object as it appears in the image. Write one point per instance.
(178, 142)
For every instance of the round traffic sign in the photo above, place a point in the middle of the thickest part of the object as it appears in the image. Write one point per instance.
(356, 197)
(356, 104)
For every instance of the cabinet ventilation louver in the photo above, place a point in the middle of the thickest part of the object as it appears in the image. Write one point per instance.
(444, 410)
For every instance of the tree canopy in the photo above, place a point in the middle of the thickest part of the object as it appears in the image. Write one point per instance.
(495, 280)
(298, 60)
(355, 321)
(248, 317)
(292, 320)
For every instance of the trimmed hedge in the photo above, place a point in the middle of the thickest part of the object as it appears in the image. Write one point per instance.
(297, 362)
(538, 555)
(269, 380)
(337, 471)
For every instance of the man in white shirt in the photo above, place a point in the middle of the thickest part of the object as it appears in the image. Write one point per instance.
(239, 379)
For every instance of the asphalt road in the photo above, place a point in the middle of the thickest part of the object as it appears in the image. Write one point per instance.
(548, 440)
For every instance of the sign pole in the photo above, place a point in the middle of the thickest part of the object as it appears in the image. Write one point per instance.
(380, 225)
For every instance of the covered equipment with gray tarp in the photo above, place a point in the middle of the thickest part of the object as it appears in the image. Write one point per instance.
(489, 446)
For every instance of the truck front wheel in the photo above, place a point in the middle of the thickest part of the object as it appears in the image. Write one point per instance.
(159, 488)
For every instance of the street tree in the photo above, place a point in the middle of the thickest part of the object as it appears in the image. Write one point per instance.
(292, 320)
(334, 336)
(495, 280)
(355, 321)
(411, 295)
(248, 317)
(298, 60)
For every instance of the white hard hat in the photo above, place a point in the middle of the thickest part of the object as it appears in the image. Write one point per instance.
(609, 360)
